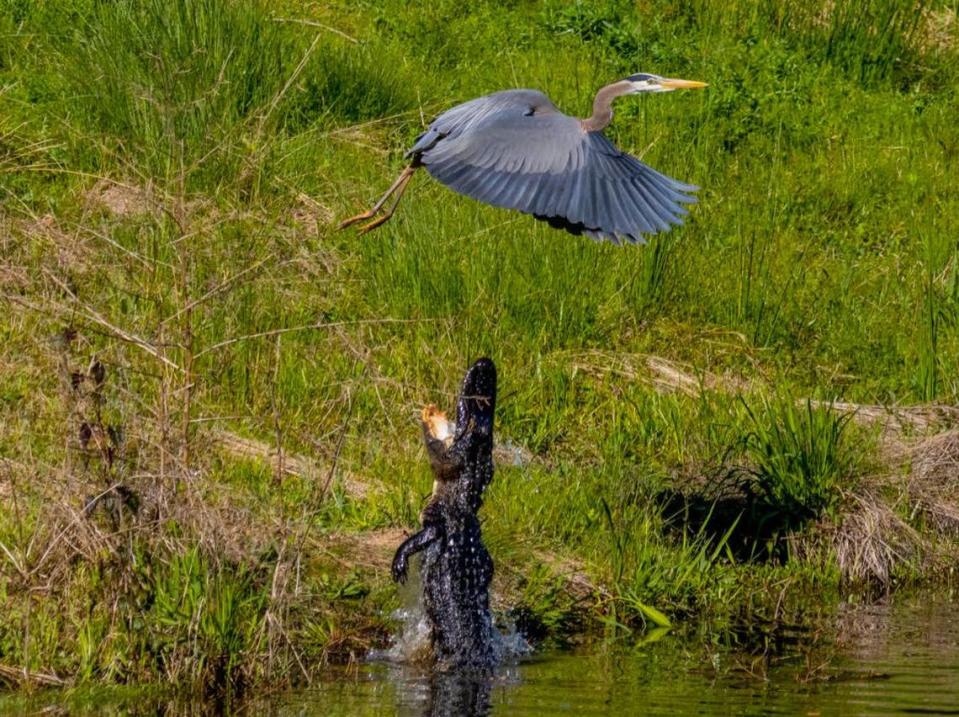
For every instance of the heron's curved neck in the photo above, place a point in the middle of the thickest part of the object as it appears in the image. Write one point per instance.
(603, 106)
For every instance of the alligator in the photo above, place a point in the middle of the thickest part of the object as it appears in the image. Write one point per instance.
(456, 569)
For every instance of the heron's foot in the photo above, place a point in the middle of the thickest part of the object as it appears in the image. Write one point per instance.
(375, 223)
(369, 214)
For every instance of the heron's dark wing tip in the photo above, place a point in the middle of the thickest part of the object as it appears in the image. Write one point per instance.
(597, 234)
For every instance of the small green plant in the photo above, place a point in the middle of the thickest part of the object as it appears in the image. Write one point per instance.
(940, 289)
(800, 460)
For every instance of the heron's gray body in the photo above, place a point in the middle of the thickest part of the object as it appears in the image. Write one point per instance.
(515, 149)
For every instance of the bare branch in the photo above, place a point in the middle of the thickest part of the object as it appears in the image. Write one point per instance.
(92, 315)
(314, 23)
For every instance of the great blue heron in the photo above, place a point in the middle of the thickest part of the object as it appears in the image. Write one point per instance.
(515, 149)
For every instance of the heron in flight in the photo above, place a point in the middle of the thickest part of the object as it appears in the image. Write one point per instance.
(515, 149)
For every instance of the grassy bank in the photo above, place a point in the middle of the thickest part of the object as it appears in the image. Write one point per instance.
(208, 446)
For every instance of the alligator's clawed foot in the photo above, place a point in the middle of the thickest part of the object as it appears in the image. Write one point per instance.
(398, 569)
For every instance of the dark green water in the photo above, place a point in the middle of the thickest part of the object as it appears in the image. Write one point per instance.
(898, 657)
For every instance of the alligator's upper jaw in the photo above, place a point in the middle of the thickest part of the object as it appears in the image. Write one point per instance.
(477, 402)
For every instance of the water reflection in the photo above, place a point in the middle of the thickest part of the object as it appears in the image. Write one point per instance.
(454, 693)
(418, 692)
(886, 658)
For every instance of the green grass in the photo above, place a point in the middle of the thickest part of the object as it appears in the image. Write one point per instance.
(820, 263)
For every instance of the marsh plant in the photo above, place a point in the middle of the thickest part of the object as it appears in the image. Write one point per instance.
(800, 459)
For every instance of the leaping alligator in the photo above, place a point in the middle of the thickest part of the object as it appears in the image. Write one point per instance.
(456, 569)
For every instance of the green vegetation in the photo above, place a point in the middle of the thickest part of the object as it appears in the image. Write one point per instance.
(800, 459)
(682, 425)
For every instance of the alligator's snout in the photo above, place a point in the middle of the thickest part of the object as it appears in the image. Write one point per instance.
(477, 402)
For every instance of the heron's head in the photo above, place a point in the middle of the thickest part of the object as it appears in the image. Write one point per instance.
(644, 82)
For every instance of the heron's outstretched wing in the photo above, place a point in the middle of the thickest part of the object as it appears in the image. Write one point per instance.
(514, 149)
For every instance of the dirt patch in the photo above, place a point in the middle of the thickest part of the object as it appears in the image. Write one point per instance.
(898, 419)
(940, 29)
(122, 199)
(660, 373)
(371, 549)
(290, 464)
(310, 215)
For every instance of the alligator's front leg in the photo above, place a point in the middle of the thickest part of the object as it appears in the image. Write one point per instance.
(412, 545)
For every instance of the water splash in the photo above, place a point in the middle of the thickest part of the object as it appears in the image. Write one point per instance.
(511, 645)
(411, 644)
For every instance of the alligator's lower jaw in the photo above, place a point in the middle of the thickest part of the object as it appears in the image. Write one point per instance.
(437, 424)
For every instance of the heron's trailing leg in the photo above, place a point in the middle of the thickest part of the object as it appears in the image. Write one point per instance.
(397, 188)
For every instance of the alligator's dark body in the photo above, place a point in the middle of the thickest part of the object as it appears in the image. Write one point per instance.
(456, 570)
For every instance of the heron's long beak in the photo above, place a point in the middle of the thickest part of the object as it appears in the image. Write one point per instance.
(674, 84)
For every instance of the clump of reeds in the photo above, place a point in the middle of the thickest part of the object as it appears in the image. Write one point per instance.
(799, 458)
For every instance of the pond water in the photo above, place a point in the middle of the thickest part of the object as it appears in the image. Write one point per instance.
(892, 657)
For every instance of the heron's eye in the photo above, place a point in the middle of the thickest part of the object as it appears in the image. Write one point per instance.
(530, 112)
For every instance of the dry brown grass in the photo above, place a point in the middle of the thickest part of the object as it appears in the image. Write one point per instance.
(940, 29)
(873, 537)
(934, 481)
(871, 541)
